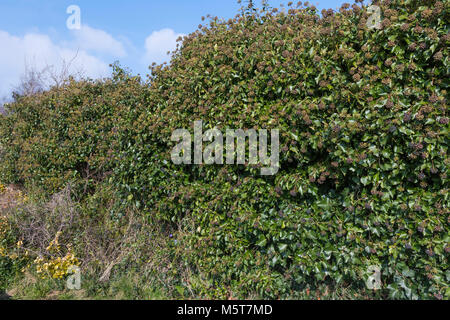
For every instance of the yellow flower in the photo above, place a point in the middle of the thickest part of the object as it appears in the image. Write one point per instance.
(56, 267)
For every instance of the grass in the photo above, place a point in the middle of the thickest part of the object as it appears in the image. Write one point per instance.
(130, 259)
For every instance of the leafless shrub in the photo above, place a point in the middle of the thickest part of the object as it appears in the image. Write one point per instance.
(37, 224)
(3, 101)
(35, 80)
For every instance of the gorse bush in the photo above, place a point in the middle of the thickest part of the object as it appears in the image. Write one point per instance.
(363, 123)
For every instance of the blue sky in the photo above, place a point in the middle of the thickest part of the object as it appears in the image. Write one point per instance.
(34, 33)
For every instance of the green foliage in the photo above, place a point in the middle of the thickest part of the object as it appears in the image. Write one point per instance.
(11, 264)
(68, 134)
(364, 131)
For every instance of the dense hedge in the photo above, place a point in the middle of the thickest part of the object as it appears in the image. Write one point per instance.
(364, 132)
(68, 134)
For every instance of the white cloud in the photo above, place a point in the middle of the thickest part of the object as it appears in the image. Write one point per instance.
(158, 44)
(89, 48)
(38, 51)
(97, 40)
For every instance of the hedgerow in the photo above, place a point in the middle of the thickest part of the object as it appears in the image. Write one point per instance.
(363, 123)
(70, 133)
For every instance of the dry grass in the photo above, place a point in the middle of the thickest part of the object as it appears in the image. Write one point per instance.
(9, 197)
(99, 241)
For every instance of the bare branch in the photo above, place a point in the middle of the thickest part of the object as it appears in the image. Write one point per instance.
(35, 80)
